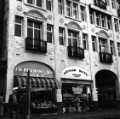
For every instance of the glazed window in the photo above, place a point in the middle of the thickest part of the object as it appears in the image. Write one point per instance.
(49, 33)
(92, 17)
(61, 36)
(83, 13)
(68, 8)
(49, 5)
(85, 41)
(109, 22)
(116, 25)
(35, 2)
(73, 38)
(94, 43)
(98, 22)
(103, 46)
(103, 20)
(75, 11)
(118, 47)
(60, 7)
(113, 4)
(34, 29)
(112, 47)
(18, 26)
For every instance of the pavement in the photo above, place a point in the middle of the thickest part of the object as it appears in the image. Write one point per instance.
(99, 114)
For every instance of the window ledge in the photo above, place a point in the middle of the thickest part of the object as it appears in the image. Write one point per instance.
(73, 18)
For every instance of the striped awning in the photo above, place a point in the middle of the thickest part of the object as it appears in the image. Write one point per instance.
(36, 82)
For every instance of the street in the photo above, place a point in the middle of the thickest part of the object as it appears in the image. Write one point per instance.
(100, 114)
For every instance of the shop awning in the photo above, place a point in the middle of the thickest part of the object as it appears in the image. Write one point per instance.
(36, 82)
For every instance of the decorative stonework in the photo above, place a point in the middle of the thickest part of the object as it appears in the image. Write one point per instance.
(61, 21)
(49, 17)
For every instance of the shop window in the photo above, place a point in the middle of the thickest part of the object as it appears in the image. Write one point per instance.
(94, 43)
(85, 41)
(18, 26)
(73, 38)
(49, 5)
(61, 36)
(103, 46)
(60, 7)
(116, 25)
(49, 33)
(83, 13)
(112, 47)
(118, 48)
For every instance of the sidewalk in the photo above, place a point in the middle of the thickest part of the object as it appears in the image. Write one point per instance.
(100, 114)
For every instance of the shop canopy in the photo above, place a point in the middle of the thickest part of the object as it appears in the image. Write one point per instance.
(36, 82)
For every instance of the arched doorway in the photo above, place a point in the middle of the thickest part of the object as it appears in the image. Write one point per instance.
(106, 87)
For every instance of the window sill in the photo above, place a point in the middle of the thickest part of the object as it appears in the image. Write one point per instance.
(34, 6)
(73, 18)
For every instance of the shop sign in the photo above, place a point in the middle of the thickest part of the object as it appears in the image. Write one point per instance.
(36, 69)
(75, 73)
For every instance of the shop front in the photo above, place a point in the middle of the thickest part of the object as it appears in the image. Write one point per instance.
(76, 90)
(43, 86)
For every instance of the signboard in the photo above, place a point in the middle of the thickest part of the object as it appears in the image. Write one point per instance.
(75, 73)
(36, 69)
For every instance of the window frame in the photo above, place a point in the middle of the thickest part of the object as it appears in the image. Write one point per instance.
(60, 7)
(85, 41)
(50, 32)
(62, 36)
(83, 13)
(94, 43)
(112, 47)
(19, 24)
(49, 5)
(116, 25)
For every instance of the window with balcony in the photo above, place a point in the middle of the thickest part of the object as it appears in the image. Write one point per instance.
(18, 26)
(49, 5)
(61, 7)
(94, 43)
(112, 47)
(118, 48)
(116, 25)
(83, 13)
(49, 33)
(85, 41)
(34, 40)
(74, 49)
(104, 55)
(61, 36)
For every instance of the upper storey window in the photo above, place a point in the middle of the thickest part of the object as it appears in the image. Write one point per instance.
(35, 2)
(83, 13)
(116, 24)
(68, 8)
(101, 3)
(49, 5)
(113, 3)
(60, 7)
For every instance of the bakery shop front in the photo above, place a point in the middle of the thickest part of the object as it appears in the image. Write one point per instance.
(76, 89)
(43, 86)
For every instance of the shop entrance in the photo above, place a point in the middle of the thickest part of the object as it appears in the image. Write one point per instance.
(106, 86)
(76, 97)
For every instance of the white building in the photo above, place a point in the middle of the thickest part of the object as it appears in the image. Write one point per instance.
(74, 43)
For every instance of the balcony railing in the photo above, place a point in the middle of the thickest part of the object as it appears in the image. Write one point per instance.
(100, 3)
(105, 57)
(36, 45)
(75, 52)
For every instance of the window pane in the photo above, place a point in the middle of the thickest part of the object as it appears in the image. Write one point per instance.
(60, 6)
(75, 10)
(61, 36)
(30, 1)
(30, 33)
(17, 30)
(49, 5)
(68, 8)
(39, 3)
(49, 33)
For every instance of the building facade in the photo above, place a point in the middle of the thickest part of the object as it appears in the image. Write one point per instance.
(70, 47)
